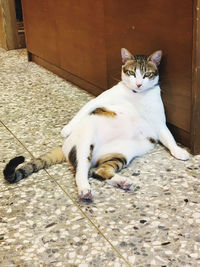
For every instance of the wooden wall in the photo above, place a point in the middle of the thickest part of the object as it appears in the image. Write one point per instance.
(10, 37)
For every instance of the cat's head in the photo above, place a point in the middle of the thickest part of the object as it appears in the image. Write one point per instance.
(140, 73)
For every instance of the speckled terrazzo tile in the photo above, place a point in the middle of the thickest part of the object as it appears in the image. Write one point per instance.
(40, 226)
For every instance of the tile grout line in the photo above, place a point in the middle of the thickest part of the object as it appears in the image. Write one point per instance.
(17, 139)
(88, 218)
(69, 196)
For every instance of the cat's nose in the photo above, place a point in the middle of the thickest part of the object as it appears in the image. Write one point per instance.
(139, 85)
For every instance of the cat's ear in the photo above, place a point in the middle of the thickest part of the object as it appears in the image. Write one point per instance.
(156, 57)
(126, 55)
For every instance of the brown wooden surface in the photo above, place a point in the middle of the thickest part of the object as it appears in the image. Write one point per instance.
(41, 33)
(2, 31)
(70, 35)
(66, 75)
(195, 96)
(181, 136)
(81, 40)
(8, 25)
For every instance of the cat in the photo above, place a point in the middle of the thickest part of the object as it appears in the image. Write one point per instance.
(120, 124)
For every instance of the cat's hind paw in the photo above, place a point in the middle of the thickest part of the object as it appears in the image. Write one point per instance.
(122, 182)
(180, 153)
(86, 194)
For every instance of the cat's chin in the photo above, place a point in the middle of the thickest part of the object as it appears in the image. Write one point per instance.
(137, 92)
(143, 89)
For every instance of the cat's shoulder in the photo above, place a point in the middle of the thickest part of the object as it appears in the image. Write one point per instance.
(116, 90)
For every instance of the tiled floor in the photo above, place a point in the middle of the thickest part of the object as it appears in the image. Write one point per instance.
(42, 220)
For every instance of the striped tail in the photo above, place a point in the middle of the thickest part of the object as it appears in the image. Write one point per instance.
(13, 175)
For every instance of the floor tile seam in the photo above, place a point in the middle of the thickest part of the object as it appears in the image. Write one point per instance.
(10, 131)
(89, 219)
(69, 196)
(9, 189)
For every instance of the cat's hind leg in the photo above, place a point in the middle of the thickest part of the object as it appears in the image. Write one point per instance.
(108, 165)
(78, 148)
(108, 162)
(83, 163)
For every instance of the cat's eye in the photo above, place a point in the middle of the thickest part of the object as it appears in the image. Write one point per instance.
(130, 72)
(147, 74)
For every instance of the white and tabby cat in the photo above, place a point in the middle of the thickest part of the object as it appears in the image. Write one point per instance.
(110, 130)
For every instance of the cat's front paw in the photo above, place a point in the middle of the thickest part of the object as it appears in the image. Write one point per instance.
(180, 153)
(66, 131)
(86, 194)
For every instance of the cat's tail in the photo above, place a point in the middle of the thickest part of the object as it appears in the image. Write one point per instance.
(13, 175)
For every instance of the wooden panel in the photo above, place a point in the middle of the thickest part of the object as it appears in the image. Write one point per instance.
(66, 75)
(9, 34)
(146, 26)
(81, 40)
(40, 28)
(69, 35)
(195, 109)
(2, 31)
(195, 119)
(181, 136)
